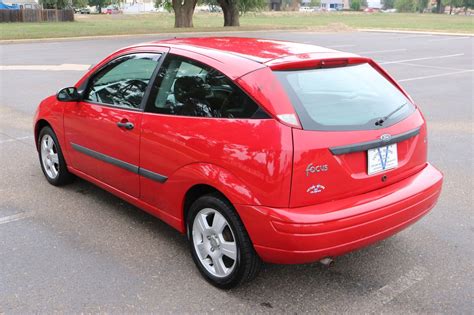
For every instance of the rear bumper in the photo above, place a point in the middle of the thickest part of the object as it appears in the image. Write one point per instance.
(307, 234)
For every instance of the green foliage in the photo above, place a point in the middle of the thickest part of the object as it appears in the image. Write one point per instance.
(243, 5)
(80, 3)
(250, 5)
(459, 3)
(356, 4)
(99, 4)
(421, 5)
(165, 4)
(315, 3)
(388, 4)
(54, 4)
(405, 5)
(468, 4)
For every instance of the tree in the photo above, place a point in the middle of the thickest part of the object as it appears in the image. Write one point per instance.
(230, 9)
(233, 9)
(183, 12)
(79, 3)
(388, 4)
(421, 5)
(315, 3)
(164, 4)
(54, 4)
(356, 4)
(452, 4)
(99, 4)
(405, 5)
(467, 4)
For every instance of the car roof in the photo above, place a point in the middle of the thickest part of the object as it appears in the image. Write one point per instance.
(237, 56)
(256, 49)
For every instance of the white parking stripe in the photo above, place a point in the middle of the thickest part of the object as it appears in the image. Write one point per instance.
(413, 36)
(376, 300)
(63, 67)
(14, 217)
(429, 66)
(435, 75)
(418, 59)
(340, 46)
(380, 51)
(451, 38)
(15, 139)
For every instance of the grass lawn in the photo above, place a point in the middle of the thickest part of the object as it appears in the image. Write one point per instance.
(90, 25)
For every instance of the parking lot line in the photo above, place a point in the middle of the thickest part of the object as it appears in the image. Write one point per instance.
(451, 38)
(429, 66)
(340, 46)
(435, 75)
(419, 59)
(14, 217)
(380, 51)
(62, 67)
(15, 139)
(376, 300)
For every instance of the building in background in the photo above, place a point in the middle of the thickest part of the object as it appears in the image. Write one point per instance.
(23, 4)
(138, 6)
(335, 4)
(375, 4)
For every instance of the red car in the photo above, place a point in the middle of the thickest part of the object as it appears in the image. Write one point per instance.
(259, 150)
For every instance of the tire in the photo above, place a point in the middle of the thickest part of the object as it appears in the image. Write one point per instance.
(219, 243)
(51, 158)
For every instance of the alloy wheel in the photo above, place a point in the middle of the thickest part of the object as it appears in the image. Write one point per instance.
(214, 242)
(49, 156)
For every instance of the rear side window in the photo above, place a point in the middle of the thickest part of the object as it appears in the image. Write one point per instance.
(345, 98)
(188, 88)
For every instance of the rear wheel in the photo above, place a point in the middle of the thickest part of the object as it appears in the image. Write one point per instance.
(51, 158)
(220, 245)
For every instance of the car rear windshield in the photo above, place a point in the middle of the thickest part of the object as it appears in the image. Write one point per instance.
(353, 97)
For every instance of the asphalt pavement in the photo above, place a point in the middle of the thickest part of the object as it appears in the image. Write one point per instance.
(78, 249)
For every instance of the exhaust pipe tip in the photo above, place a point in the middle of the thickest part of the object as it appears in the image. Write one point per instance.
(327, 261)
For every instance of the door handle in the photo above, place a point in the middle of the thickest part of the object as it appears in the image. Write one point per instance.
(125, 124)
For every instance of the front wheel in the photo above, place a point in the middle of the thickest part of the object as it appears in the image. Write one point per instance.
(51, 158)
(220, 245)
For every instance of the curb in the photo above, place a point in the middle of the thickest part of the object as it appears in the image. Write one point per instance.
(413, 32)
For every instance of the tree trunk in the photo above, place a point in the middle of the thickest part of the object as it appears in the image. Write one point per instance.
(295, 5)
(183, 13)
(230, 11)
(438, 6)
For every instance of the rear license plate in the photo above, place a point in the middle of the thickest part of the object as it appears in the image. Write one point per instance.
(382, 158)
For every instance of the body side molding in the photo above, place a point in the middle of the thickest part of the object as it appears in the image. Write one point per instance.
(119, 163)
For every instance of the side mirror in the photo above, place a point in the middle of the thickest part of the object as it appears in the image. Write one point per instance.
(68, 94)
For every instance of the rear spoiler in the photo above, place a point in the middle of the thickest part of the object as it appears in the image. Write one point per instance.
(306, 62)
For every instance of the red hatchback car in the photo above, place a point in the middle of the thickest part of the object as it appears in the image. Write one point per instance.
(259, 150)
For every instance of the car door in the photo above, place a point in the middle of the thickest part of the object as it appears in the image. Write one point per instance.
(197, 115)
(103, 130)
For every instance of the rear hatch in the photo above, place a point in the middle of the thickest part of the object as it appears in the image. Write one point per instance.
(359, 133)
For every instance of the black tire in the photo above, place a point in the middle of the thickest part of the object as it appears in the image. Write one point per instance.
(247, 263)
(63, 176)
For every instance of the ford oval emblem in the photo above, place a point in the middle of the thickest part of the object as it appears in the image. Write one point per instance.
(385, 137)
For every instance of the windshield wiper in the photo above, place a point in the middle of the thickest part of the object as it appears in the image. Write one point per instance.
(380, 121)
